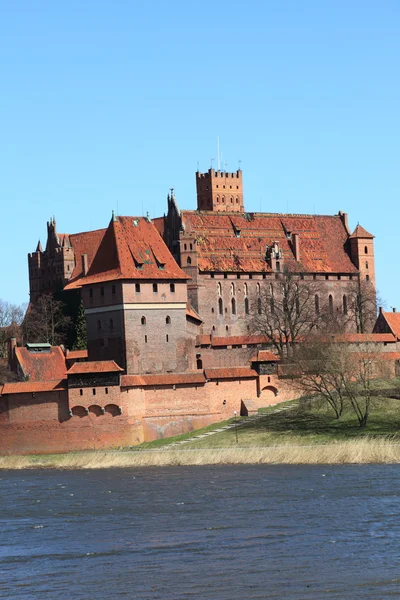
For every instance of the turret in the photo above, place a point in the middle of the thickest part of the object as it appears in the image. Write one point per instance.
(220, 191)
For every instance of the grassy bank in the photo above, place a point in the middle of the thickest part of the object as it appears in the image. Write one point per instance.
(301, 434)
(351, 452)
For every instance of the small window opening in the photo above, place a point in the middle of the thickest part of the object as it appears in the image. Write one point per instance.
(155, 288)
(143, 320)
(172, 288)
(189, 261)
(94, 391)
(145, 339)
(81, 392)
(106, 390)
(168, 320)
(137, 287)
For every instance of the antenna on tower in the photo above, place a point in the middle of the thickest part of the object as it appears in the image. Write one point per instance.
(212, 160)
(198, 166)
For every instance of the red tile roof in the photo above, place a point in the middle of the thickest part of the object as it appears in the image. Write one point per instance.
(393, 321)
(265, 356)
(77, 354)
(131, 248)
(221, 248)
(94, 366)
(360, 232)
(166, 379)
(203, 340)
(27, 387)
(360, 338)
(190, 312)
(238, 340)
(86, 242)
(42, 366)
(231, 373)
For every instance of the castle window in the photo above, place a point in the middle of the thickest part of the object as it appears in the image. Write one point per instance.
(237, 200)
(223, 199)
(366, 250)
(185, 246)
(225, 275)
(137, 287)
(345, 305)
(94, 391)
(217, 199)
(233, 302)
(101, 291)
(259, 306)
(189, 261)
(67, 267)
(278, 265)
(237, 275)
(212, 309)
(191, 246)
(106, 390)
(155, 288)
(113, 290)
(172, 288)
(227, 329)
(366, 265)
(166, 338)
(330, 304)
(219, 289)
(213, 327)
(245, 289)
(232, 289)
(168, 320)
(212, 275)
(81, 392)
(258, 289)
(246, 306)
(316, 299)
(231, 199)
(220, 306)
(145, 339)
(367, 278)
(111, 324)
(143, 320)
(98, 324)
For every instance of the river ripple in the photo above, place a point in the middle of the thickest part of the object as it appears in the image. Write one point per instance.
(212, 533)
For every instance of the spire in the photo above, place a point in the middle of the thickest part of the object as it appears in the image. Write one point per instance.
(39, 247)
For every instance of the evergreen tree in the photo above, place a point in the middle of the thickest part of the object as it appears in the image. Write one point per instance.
(80, 330)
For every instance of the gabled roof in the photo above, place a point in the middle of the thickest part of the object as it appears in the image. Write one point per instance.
(94, 366)
(190, 312)
(28, 387)
(166, 379)
(360, 232)
(393, 321)
(131, 248)
(42, 366)
(231, 373)
(77, 354)
(265, 356)
(86, 242)
(238, 242)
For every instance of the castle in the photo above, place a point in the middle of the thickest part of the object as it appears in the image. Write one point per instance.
(168, 305)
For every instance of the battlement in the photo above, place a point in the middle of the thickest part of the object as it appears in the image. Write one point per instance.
(221, 174)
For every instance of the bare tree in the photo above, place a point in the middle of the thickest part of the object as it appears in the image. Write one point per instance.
(339, 375)
(11, 317)
(46, 321)
(287, 311)
(362, 306)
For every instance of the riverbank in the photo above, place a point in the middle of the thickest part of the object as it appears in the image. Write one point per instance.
(361, 451)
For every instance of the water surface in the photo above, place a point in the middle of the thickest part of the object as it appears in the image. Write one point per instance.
(210, 533)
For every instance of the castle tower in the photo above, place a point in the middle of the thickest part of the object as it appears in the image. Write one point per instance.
(362, 254)
(220, 191)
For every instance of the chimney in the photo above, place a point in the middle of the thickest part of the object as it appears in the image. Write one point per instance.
(394, 310)
(296, 246)
(84, 264)
(12, 344)
(345, 220)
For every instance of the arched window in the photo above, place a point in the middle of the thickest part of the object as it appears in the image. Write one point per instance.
(233, 302)
(189, 261)
(143, 320)
(330, 304)
(278, 265)
(316, 299)
(227, 329)
(259, 306)
(185, 246)
(220, 306)
(345, 305)
(258, 289)
(366, 250)
(232, 289)
(191, 246)
(367, 278)
(219, 289)
(237, 200)
(223, 199)
(199, 363)
(217, 199)
(366, 265)
(246, 306)
(245, 289)
(168, 320)
(231, 199)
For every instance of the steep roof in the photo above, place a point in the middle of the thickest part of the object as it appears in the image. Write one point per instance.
(28, 387)
(238, 242)
(393, 321)
(42, 366)
(94, 366)
(360, 232)
(131, 248)
(86, 242)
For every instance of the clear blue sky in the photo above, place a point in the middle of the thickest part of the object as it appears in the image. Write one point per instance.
(106, 105)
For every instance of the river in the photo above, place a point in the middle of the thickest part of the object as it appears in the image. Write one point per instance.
(210, 533)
